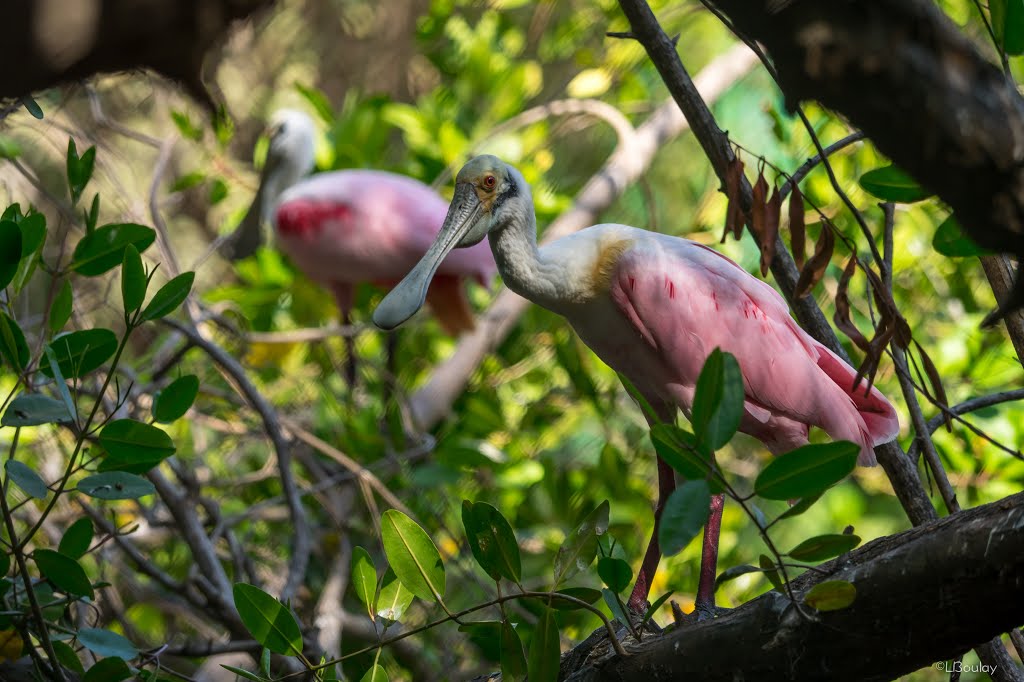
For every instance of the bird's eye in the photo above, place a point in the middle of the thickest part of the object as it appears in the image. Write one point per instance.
(489, 181)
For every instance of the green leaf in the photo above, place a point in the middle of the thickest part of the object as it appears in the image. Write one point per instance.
(112, 669)
(823, 547)
(9, 148)
(513, 659)
(394, 598)
(33, 409)
(60, 383)
(734, 572)
(950, 240)
(218, 191)
(12, 343)
(64, 572)
(892, 184)
(718, 400)
(93, 215)
(800, 507)
(685, 513)
(319, 100)
(173, 402)
(133, 446)
(542, 665)
(80, 352)
(10, 251)
(267, 620)
(32, 107)
(33, 236)
(1008, 25)
(580, 548)
(584, 594)
(79, 169)
(67, 656)
(492, 541)
(115, 485)
(364, 578)
(60, 312)
(169, 297)
(806, 471)
(412, 555)
(188, 181)
(615, 573)
(614, 605)
(106, 643)
(103, 249)
(681, 450)
(27, 479)
(375, 674)
(186, 127)
(133, 280)
(242, 672)
(653, 608)
(77, 538)
(770, 571)
(831, 595)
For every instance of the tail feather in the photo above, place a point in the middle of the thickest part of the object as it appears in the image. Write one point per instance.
(447, 299)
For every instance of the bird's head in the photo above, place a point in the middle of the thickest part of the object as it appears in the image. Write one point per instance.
(482, 188)
(291, 153)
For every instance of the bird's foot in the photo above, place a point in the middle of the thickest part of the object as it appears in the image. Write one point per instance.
(701, 613)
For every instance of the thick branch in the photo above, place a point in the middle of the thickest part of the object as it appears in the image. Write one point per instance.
(928, 594)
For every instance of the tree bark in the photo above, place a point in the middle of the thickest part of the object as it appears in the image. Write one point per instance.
(49, 42)
(928, 594)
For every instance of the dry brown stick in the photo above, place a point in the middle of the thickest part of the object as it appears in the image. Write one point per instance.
(434, 400)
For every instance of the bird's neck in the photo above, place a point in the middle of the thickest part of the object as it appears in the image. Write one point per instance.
(523, 266)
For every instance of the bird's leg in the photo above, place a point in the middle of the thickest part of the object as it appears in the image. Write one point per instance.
(704, 605)
(343, 295)
(638, 599)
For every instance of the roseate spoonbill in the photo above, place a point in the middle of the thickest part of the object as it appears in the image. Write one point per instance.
(345, 227)
(653, 307)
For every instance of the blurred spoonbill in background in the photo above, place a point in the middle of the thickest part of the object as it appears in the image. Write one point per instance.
(653, 307)
(346, 227)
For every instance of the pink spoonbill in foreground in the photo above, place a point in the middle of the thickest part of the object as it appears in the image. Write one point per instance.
(346, 227)
(653, 307)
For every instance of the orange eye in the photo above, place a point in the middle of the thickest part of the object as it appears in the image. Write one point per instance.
(489, 181)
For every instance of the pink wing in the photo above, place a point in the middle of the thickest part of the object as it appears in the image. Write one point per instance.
(685, 300)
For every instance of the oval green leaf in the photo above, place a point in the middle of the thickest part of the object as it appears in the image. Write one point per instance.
(685, 513)
(394, 598)
(107, 643)
(133, 446)
(10, 251)
(800, 507)
(115, 485)
(492, 541)
(950, 240)
(892, 184)
(580, 548)
(513, 659)
(25, 478)
(112, 669)
(734, 572)
(681, 451)
(173, 402)
(267, 620)
(831, 595)
(81, 352)
(33, 409)
(807, 471)
(169, 297)
(12, 343)
(375, 674)
(823, 547)
(64, 572)
(133, 280)
(718, 400)
(67, 656)
(542, 665)
(771, 571)
(614, 605)
(364, 578)
(615, 573)
(103, 249)
(412, 555)
(77, 538)
(60, 311)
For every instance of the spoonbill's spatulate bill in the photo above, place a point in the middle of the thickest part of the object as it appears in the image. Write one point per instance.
(653, 307)
(346, 227)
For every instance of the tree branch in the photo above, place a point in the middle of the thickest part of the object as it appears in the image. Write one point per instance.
(971, 565)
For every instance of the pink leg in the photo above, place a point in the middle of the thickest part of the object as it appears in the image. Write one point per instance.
(642, 588)
(343, 296)
(705, 602)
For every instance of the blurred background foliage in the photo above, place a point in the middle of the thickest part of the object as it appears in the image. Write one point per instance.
(544, 431)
